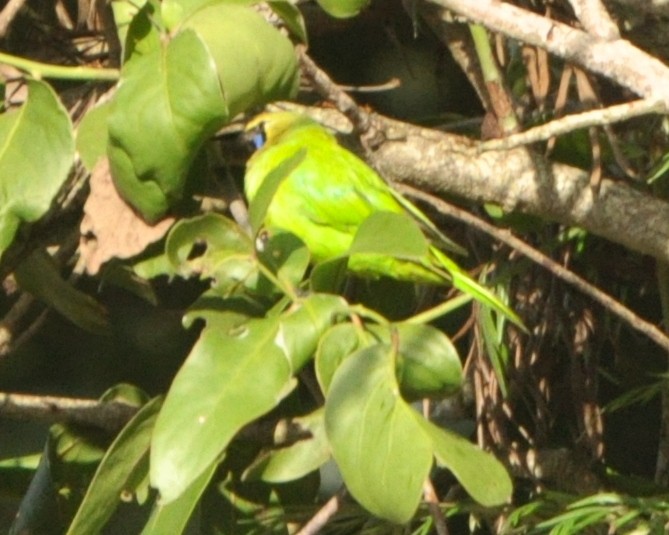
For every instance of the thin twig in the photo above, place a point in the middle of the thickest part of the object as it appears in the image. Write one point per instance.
(432, 501)
(505, 236)
(324, 514)
(330, 90)
(564, 125)
(595, 19)
(8, 14)
(110, 416)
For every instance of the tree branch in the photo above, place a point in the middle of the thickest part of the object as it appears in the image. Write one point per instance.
(519, 180)
(616, 59)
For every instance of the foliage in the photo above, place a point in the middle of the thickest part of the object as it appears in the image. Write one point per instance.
(289, 367)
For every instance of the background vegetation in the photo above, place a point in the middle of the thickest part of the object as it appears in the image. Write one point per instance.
(159, 374)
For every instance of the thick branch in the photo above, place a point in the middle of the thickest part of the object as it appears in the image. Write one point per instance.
(616, 59)
(519, 180)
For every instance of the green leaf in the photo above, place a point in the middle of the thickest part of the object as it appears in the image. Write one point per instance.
(92, 135)
(291, 17)
(286, 256)
(229, 379)
(124, 13)
(256, 64)
(168, 103)
(39, 275)
(301, 328)
(229, 258)
(495, 346)
(428, 364)
(173, 517)
(270, 184)
(463, 282)
(36, 153)
(390, 234)
(297, 460)
(173, 96)
(329, 276)
(343, 8)
(334, 346)
(222, 236)
(127, 394)
(376, 440)
(175, 11)
(224, 313)
(482, 476)
(123, 463)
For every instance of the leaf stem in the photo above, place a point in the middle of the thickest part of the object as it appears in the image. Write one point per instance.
(368, 313)
(40, 70)
(440, 310)
(281, 285)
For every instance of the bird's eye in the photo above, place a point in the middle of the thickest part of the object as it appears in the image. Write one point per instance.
(258, 136)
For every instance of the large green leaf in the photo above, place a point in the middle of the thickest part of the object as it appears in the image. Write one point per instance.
(376, 440)
(482, 476)
(36, 153)
(127, 456)
(384, 448)
(168, 102)
(343, 8)
(229, 379)
(255, 62)
(223, 59)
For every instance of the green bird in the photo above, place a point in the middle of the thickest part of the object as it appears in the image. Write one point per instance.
(329, 192)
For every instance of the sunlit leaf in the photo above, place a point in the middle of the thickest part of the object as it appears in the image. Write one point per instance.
(168, 102)
(427, 363)
(222, 237)
(36, 153)
(229, 379)
(380, 448)
(286, 256)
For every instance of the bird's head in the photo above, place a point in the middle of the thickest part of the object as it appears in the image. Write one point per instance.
(269, 128)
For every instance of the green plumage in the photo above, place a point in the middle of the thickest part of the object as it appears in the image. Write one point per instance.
(331, 192)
